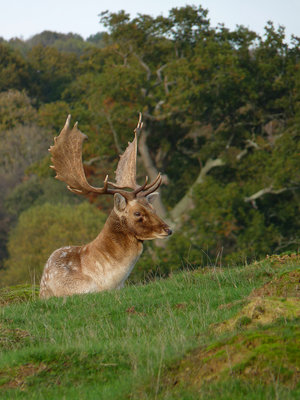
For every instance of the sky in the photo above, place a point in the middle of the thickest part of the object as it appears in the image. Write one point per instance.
(25, 18)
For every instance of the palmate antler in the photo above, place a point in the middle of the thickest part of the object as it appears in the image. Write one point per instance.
(67, 162)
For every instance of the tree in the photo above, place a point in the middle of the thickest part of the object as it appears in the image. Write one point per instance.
(20, 147)
(51, 72)
(16, 109)
(216, 103)
(14, 70)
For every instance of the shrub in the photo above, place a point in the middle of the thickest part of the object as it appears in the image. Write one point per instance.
(42, 229)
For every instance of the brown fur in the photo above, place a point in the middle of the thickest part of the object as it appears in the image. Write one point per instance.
(107, 261)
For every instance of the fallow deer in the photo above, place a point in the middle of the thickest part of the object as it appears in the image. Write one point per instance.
(107, 261)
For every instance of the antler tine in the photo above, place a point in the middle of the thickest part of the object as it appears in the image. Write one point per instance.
(105, 184)
(154, 182)
(153, 186)
(120, 189)
(139, 124)
(141, 188)
(67, 123)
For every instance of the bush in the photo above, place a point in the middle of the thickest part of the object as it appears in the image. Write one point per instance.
(42, 229)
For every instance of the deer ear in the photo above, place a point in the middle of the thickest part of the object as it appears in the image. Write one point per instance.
(151, 197)
(120, 202)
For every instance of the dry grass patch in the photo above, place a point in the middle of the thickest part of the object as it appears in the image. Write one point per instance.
(11, 338)
(15, 377)
(18, 294)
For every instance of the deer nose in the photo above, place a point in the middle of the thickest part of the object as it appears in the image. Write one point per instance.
(168, 230)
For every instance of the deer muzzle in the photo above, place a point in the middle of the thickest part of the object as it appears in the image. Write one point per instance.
(168, 230)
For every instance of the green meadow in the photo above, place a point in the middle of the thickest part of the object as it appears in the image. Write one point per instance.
(211, 333)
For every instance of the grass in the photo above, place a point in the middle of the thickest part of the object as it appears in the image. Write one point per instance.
(149, 342)
(18, 294)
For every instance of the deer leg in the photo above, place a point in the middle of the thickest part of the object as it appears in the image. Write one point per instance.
(69, 285)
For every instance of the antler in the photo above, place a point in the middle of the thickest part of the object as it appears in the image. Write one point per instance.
(67, 162)
(126, 169)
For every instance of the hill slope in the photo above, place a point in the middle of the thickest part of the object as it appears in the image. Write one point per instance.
(200, 334)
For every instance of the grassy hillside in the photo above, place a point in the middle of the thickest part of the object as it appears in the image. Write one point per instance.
(226, 333)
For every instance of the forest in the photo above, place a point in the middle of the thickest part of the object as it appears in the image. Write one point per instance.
(221, 112)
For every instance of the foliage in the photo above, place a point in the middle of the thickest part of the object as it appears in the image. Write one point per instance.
(23, 196)
(97, 39)
(70, 42)
(14, 71)
(42, 229)
(51, 72)
(15, 109)
(20, 147)
(36, 191)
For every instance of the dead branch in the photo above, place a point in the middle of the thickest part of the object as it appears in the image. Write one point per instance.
(158, 105)
(144, 65)
(114, 132)
(249, 143)
(186, 203)
(159, 71)
(160, 117)
(267, 190)
(124, 56)
(92, 160)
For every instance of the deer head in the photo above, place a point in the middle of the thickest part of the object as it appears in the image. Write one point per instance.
(132, 202)
(138, 217)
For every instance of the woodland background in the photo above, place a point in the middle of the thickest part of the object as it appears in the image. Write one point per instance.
(221, 110)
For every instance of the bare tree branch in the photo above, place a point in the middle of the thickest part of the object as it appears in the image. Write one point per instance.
(249, 143)
(158, 105)
(229, 141)
(159, 71)
(160, 117)
(252, 199)
(167, 84)
(186, 202)
(286, 243)
(144, 65)
(115, 135)
(124, 56)
(92, 160)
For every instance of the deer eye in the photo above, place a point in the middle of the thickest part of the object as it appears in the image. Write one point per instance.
(137, 214)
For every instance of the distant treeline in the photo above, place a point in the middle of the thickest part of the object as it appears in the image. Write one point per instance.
(65, 42)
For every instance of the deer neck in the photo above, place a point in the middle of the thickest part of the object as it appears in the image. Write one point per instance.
(116, 241)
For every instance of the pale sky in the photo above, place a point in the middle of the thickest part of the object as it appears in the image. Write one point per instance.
(25, 18)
